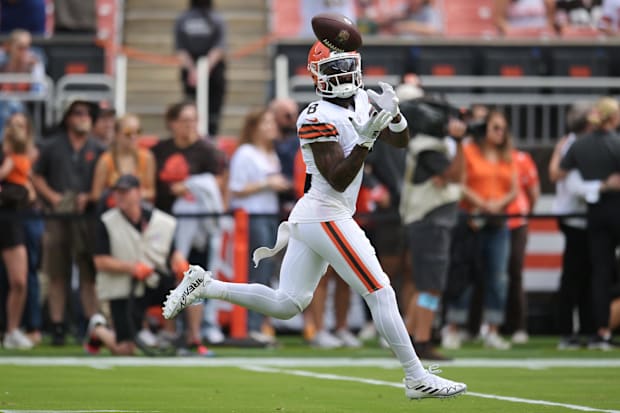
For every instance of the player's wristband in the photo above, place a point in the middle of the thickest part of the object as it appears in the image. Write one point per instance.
(399, 126)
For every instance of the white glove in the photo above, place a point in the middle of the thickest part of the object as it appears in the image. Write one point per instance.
(387, 100)
(369, 131)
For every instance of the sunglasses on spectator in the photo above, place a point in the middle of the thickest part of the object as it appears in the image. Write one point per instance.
(498, 128)
(80, 112)
(132, 132)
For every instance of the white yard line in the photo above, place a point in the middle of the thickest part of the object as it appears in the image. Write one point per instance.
(77, 411)
(275, 365)
(400, 385)
(110, 362)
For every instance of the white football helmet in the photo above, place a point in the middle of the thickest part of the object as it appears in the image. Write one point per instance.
(335, 74)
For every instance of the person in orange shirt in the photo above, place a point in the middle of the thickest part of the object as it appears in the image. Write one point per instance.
(527, 194)
(489, 186)
(15, 193)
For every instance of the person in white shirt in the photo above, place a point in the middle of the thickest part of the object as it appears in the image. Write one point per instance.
(255, 181)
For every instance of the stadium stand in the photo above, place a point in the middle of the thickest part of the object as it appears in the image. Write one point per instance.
(285, 17)
(472, 18)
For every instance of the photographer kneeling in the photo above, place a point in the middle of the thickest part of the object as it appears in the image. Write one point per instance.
(134, 251)
(429, 209)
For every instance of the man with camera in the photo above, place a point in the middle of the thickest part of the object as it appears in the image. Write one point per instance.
(429, 208)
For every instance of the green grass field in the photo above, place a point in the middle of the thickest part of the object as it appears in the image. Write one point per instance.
(295, 378)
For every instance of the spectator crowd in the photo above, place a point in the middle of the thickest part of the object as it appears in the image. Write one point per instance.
(461, 183)
(511, 18)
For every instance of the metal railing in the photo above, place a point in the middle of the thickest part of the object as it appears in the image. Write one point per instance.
(536, 106)
(91, 87)
(48, 97)
(40, 93)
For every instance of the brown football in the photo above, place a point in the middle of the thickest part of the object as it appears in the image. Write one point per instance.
(337, 32)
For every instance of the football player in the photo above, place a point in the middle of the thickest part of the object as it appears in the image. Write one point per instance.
(336, 133)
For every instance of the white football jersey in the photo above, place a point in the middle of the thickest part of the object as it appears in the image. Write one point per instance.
(322, 121)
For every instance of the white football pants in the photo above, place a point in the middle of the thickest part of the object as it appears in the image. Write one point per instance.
(311, 248)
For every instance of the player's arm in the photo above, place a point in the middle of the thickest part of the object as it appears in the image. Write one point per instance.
(337, 169)
(328, 155)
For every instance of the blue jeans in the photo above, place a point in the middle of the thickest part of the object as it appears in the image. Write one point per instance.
(263, 231)
(493, 245)
(32, 319)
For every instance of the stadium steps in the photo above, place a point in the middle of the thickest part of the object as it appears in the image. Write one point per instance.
(151, 88)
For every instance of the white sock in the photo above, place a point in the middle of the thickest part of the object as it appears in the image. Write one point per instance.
(390, 325)
(256, 297)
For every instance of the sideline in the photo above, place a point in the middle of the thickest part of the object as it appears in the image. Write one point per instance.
(399, 385)
(104, 362)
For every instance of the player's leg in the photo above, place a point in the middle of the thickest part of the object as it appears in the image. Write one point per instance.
(348, 250)
(301, 270)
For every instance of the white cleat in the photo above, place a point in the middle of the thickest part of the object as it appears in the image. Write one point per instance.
(348, 339)
(189, 291)
(432, 386)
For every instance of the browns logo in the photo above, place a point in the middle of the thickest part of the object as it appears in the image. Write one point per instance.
(342, 37)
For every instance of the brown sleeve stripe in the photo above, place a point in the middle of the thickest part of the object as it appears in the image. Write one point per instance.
(316, 130)
(350, 256)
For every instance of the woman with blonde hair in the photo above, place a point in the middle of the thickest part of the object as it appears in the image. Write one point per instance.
(489, 186)
(597, 158)
(125, 157)
(16, 193)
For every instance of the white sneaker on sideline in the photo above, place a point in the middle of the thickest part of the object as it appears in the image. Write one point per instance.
(262, 337)
(495, 341)
(147, 337)
(450, 339)
(520, 337)
(368, 332)
(213, 335)
(16, 340)
(189, 291)
(432, 386)
(96, 320)
(348, 339)
(325, 339)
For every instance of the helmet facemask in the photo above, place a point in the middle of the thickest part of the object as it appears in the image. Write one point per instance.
(337, 76)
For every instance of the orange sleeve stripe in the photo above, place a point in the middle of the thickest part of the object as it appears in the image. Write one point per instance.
(317, 135)
(317, 126)
(326, 130)
(354, 261)
(316, 130)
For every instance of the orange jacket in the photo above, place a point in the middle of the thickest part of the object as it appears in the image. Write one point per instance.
(20, 174)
